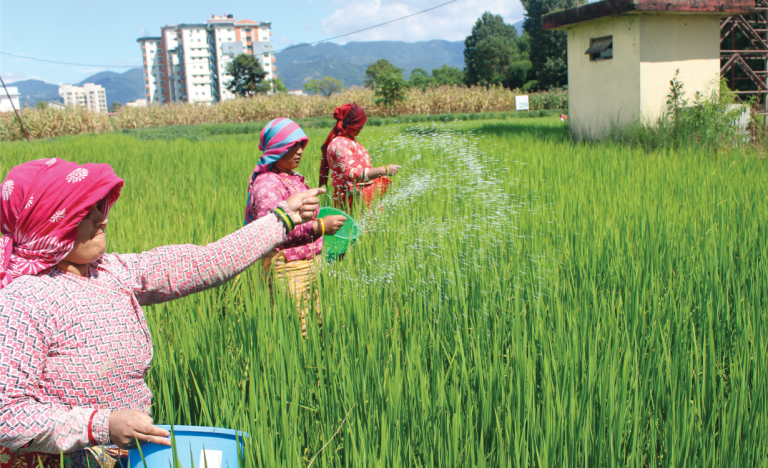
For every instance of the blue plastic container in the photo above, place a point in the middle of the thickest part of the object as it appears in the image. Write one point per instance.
(198, 446)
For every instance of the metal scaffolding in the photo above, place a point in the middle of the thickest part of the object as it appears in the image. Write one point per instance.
(744, 55)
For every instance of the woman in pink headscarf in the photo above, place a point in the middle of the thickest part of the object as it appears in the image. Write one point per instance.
(74, 344)
(274, 179)
(352, 173)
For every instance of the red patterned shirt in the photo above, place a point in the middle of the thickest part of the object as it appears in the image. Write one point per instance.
(348, 161)
(70, 345)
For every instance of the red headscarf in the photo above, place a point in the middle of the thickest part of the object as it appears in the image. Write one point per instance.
(41, 204)
(348, 116)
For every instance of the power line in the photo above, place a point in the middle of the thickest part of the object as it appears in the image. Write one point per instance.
(274, 52)
(67, 63)
(368, 28)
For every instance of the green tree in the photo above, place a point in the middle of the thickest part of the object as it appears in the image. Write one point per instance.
(114, 106)
(390, 89)
(41, 105)
(548, 51)
(493, 56)
(247, 76)
(380, 68)
(277, 85)
(446, 75)
(326, 86)
(420, 79)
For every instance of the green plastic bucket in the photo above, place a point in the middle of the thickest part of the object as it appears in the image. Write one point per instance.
(340, 242)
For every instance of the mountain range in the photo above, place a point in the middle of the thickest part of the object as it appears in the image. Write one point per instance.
(299, 63)
(121, 87)
(296, 65)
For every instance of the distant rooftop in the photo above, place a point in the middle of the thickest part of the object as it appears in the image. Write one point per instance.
(592, 11)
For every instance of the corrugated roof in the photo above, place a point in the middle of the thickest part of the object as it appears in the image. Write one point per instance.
(606, 8)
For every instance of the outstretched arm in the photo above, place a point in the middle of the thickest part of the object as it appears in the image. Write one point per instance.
(267, 191)
(351, 161)
(175, 271)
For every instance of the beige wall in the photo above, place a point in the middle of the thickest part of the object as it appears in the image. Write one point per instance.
(668, 42)
(603, 94)
(647, 49)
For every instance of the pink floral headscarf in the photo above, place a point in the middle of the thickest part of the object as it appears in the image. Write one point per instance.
(41, 204)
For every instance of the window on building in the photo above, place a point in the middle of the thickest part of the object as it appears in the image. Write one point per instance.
(600, 48)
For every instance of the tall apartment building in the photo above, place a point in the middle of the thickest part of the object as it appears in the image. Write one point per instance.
(187, 62)
(89, 95)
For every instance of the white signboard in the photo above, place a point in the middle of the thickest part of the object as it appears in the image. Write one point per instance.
(521, 103)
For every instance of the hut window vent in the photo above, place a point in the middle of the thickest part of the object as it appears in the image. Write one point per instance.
(600, 48)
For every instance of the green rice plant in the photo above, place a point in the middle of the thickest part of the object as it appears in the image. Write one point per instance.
(516, 300)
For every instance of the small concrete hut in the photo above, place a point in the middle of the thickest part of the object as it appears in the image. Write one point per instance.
(622, 55)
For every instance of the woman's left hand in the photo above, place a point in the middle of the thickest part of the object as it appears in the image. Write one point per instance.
(303, 205)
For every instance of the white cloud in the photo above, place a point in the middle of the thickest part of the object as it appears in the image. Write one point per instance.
(16, 76)
(452, 22)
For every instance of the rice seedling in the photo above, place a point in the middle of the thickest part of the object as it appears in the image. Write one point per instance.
(517, 300)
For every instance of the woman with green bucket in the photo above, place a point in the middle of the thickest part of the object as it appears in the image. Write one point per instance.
(274, 180)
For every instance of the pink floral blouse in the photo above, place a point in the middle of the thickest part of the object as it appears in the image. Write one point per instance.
(269, 189)
(348, 161)
(72, 345)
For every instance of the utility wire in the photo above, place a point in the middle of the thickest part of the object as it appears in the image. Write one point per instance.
(274, 52)
(368, 28)
(67, 63)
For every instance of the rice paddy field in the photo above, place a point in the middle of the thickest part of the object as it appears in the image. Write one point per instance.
(518, 300)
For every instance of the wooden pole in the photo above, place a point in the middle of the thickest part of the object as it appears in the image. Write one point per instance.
(18, 116)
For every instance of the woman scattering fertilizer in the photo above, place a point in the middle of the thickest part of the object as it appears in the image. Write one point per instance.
(349, 162)
(74, 343)
(274, 180)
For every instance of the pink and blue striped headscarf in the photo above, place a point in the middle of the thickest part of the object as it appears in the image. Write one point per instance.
(277, 138)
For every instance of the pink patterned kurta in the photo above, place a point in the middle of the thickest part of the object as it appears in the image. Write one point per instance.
(348, 161)
(70, 345)
(269, 189)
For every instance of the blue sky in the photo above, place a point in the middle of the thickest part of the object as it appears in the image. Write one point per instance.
(104, 32)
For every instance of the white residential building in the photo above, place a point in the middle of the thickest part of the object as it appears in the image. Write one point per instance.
(56, 105)
(89, 95)
(7, 104)
(137, 103)
(187, 63)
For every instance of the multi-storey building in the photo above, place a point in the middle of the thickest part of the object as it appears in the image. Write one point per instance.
(187, 63)
(89, 95)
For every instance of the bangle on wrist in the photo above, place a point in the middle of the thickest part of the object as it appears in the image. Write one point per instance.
(287, 223)
(322, 226)
(90, 429)
(386, 170)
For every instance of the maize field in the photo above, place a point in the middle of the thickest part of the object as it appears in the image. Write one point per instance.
(516, 300)
(49, 123)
